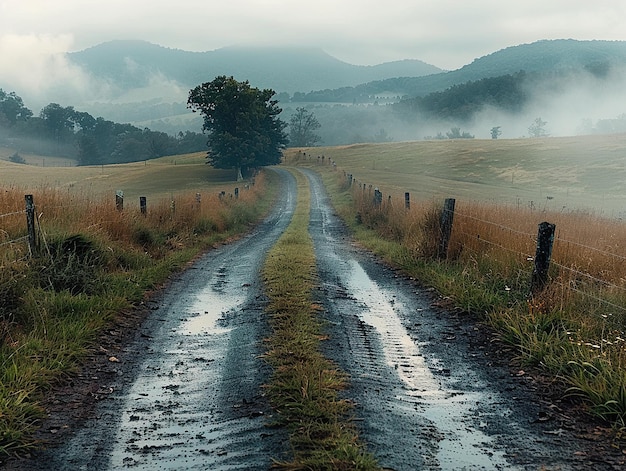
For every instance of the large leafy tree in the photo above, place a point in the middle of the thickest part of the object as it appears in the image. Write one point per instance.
(59, 121)
(302, 127)
(243, 124)
(12, 108)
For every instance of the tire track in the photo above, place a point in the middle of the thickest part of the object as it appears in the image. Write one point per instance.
(188, 393)
(424, 400)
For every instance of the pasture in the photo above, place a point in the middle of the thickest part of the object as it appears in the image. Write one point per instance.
(562, 174)
(156, 179)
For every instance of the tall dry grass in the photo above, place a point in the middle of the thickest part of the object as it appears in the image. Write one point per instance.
(575, 329)
(65, 212)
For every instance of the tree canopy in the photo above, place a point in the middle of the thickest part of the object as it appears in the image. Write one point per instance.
(12, 108)
(302, 127)
(242, 121)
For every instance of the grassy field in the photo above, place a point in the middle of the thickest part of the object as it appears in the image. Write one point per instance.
(568, 173)
(155, 179)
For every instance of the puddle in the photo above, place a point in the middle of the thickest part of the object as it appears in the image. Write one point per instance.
(171, 414)
(208, 307)
(462, 445)
(211, 304)
(400, 351)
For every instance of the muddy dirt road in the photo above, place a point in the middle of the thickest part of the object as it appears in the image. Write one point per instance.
(186, 393)
(426, 399)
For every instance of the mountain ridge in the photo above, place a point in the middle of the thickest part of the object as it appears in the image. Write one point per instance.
(132, 63)
(541, 56)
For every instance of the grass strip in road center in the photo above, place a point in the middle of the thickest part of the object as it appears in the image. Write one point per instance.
(304, 387)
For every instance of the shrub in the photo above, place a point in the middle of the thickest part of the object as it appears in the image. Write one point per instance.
(17, 159)
(73, 264)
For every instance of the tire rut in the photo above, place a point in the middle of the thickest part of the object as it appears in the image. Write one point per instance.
(424, 399)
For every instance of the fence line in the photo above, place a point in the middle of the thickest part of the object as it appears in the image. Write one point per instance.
(36, 234)
(13, 213)
(500, 226)
(564, 267)
(12, 241)
(351, 179)
(590, 276)
(495, 244)
(603, 252)
(588, 295)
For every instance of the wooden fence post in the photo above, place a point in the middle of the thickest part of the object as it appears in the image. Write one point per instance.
(445, 227)
(33, 241)
(119, 200)
(545, 241)
(143, 205)
(378, 197)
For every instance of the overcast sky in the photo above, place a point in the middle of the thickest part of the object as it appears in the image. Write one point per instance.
(445, 33)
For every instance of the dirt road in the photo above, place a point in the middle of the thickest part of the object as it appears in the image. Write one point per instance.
(427, 399)
(186, 393)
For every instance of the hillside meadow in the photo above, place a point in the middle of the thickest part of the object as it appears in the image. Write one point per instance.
(157, 178)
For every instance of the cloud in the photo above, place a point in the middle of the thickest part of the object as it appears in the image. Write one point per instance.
(446, 33)
(36, 68)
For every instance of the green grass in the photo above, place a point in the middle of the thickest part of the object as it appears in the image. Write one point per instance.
(304, 385)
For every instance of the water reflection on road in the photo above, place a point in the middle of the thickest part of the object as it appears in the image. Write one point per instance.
(462, 445)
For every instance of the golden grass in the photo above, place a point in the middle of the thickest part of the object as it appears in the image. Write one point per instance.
(576, 173)
(155, 179)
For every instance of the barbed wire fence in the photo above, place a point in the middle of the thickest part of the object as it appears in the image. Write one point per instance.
(5, 238)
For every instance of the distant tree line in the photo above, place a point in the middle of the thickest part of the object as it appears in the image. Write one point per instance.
(507, 92)
(64, 131)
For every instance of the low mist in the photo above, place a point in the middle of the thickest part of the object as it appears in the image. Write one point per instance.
(37, 69)
(582, 104)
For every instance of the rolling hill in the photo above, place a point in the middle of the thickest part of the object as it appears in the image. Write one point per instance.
(597, 57)
(149, 84)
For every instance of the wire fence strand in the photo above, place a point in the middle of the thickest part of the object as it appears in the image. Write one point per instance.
(13, 241)
(13, 213)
